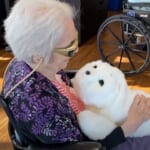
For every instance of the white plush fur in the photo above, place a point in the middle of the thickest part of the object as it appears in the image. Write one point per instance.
(104, 90)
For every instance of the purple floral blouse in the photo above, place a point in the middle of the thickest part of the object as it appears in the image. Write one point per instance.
(39, 108)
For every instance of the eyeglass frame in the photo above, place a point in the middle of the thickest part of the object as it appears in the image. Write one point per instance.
(70, 50)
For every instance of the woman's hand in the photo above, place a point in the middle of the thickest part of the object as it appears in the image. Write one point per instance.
(139, 112)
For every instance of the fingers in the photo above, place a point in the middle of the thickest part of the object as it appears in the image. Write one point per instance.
(141, 100)
(139, 112)
(141, 106)
(137, 99)
(148, 101)
(147, 108)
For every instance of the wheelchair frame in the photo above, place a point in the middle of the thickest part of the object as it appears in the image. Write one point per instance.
(128, 47)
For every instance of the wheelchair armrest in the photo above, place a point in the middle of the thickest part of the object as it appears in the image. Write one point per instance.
(75, 146)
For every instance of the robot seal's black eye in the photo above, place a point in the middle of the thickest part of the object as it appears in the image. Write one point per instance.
(101, 82)
(95, 66)
(88, 72)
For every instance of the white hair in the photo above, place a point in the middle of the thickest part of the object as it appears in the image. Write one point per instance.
(35, 26)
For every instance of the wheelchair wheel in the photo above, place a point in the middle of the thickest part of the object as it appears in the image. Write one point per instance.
(124, 42)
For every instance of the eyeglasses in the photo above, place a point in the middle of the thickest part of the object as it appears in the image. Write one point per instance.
(70, 50)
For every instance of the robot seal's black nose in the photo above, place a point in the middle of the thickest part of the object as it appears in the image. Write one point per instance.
(101, 82)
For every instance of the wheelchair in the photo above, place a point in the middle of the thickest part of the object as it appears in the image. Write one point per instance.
(19, 140)
(124, 40)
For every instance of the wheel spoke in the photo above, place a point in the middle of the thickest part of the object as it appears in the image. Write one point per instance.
(122, 32)
(113, 52)
(130, 60)
(130, 36)
(110, 43)
(116, 37)
(122, 52)
(136, 52)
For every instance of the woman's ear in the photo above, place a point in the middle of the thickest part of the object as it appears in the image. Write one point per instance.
(36, 58)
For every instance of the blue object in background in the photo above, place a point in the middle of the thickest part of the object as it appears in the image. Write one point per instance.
(115, 4)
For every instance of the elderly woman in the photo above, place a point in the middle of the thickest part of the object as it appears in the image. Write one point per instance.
(42, 36)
